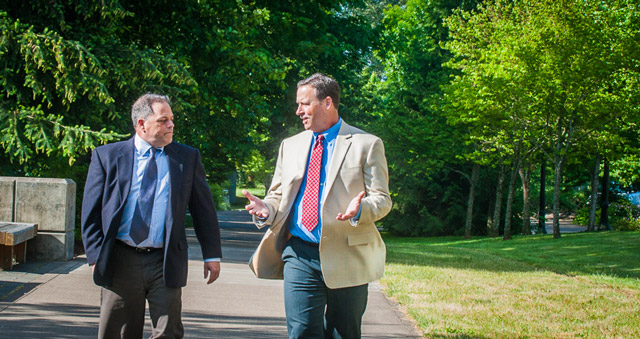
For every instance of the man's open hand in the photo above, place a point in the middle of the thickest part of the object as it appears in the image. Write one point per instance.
(352, 209)
(256, 206)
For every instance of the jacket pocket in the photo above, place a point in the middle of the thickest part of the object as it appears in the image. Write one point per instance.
(360, 239)
(183, 245)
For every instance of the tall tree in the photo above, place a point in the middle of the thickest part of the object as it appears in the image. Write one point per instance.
(403, 100)
(557, 80)
(71, 71)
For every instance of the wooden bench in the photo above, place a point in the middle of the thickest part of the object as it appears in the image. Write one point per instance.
(13, 242)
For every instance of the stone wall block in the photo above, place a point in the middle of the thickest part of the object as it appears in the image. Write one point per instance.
(7, 195)
(46, 201)
(51, 246)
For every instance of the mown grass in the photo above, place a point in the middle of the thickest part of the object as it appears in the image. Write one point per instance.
(582, 285)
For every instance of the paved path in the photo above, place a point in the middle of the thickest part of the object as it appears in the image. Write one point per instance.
(59, 299)
(566, 225)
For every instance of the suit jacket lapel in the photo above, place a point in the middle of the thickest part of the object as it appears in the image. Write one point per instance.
(125, 169)
(175, 173)
(343, 142)
(301, 155)
(294, 159)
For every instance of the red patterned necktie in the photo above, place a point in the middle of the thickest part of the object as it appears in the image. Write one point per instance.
(310, 197)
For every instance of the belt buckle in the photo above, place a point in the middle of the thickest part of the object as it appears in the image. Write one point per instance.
(145, 249)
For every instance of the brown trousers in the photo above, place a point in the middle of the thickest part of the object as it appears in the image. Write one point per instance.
(138, 278)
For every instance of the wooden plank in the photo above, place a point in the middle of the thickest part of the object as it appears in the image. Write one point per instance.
(16, 233)
(6, 257)
(20, 252)
(3, 235)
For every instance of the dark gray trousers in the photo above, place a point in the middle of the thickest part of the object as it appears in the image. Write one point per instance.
(313, 310)
(138, 278)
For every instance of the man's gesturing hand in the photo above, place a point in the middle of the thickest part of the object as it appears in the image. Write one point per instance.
(352, 209)
(256, 206)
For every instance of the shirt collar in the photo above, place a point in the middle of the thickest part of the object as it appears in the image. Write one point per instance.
(332, 132)
(142, 146)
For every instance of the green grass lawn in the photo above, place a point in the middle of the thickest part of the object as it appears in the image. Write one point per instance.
(583, 285)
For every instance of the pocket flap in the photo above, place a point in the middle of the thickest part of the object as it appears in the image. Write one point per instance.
(360, 239)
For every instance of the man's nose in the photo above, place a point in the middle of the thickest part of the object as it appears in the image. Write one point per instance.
(299, 110)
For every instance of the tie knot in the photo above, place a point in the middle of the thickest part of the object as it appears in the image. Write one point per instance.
(319, 139)
(154, 150)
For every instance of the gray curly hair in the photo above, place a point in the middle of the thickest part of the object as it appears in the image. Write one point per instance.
(141, 108)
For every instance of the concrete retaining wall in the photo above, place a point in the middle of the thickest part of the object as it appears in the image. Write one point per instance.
(48, 202)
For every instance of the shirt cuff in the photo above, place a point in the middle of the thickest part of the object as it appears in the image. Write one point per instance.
(212, 260)
(354, 221)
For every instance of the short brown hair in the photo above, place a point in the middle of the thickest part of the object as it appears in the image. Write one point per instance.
(325, 87)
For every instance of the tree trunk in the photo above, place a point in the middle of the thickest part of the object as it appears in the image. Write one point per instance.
(604, 204)
(495, 229)
(557, 183)
(512, 189)
(542, 211)
(472, 192)
(594, 194)
(489, 212)
(525, 176)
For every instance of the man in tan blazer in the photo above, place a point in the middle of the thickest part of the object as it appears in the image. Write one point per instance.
(329, 187)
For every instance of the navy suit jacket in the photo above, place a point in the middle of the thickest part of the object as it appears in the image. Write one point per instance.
(105, 194)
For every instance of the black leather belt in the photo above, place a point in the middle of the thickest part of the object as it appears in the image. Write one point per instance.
(308, 243)
(138, 249)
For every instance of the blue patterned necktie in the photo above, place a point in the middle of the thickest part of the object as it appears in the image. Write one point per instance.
(144, 207)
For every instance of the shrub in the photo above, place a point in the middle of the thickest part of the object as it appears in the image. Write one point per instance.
(623, 215)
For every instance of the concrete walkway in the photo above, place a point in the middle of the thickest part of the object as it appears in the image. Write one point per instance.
(566, 225)
(59, 299)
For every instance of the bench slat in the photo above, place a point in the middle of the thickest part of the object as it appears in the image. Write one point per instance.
(15, 233)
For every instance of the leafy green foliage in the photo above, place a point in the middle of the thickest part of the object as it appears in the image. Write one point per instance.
(43, 77)
(70, 71)
(543, 77)
(443, 83)
(623, 215)
(402, 98)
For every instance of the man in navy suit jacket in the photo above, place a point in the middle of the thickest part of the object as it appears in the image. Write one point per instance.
(154, 269)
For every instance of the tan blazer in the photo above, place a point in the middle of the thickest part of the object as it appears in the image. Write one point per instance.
(351, 253)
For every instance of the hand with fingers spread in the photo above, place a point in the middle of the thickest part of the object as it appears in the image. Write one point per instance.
(256, 206)
(352, 209)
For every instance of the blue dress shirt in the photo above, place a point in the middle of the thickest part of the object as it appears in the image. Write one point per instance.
(161, 200)
(296, 228)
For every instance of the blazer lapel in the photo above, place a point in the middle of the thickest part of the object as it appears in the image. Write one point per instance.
(175, 173)
(302, 155)
(294, 156)
(125, 170)
(343, 142)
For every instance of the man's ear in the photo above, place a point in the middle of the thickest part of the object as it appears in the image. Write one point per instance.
(140, 125)
(328, 102)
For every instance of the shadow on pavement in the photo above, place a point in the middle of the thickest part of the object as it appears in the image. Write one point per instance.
(11, 291)
(198, 325)
(68, 320)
